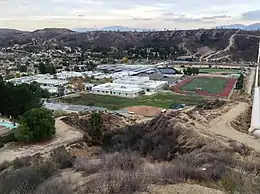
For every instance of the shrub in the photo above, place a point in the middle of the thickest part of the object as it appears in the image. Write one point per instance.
(36, 124)
(54, 186)
(118, 181)
(1, 145)
(240, 182)
(96, 128)
(24, 180)
(62, 157)
(47, 169)
(89, 167)
(123, 161)
(4, 165)
(21, 162)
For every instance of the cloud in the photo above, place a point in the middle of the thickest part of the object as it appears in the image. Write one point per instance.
(251, 15)
(133, 13)
(216, 17)
(142, 19)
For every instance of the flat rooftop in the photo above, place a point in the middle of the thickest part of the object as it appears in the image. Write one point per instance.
(117, 87)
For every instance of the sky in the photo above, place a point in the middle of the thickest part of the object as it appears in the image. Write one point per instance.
(154, 14)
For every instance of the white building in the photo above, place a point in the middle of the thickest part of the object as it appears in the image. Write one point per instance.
(51, 82)
(143, 82)
(45, 81)
(114, 89)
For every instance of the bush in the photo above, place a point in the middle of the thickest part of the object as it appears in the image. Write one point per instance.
(4, 165)
(1, 145)
(21, 162)
(89, 167)
(62, 157)
(96, 128)
(36, 124)
(24, 180)
(126, 182)
(123, 161)
(240, 82)
(240, 182)
(47, 169)
(53, 186)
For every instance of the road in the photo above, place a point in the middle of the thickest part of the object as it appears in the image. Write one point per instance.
(221, 126)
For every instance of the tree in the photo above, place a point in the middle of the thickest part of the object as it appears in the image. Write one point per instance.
(17, 99)
(35, 125)
(42, 68)
(61, 90)
(46, 68)
(240, 82)
(125, 60)
(96, 128)
(80, 84)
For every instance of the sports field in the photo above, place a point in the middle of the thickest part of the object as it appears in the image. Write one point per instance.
(212, 85)
(206, 86)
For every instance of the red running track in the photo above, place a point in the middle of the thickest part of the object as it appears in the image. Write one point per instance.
(225, 92)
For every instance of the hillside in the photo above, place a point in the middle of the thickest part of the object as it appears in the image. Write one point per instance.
(176, 152)
(212, 44)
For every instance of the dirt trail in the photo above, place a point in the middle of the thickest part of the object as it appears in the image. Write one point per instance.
(221, 126)
(231, 43)
(64, 135)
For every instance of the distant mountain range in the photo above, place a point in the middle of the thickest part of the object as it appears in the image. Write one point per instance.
(113, 28)
(250, 27)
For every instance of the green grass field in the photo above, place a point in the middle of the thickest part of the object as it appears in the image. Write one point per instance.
(162, 100)
(213, 85)
(216, 70)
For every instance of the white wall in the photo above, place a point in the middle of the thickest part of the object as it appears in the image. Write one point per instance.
(116, 93)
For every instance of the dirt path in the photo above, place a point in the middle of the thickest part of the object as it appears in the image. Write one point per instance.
(64, 135)
(221, 126)
(231, 43)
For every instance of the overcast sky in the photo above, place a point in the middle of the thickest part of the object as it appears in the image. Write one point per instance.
(171, 14)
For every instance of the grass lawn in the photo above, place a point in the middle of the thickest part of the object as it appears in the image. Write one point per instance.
(215, 70)
(162, 100)
(212, 85)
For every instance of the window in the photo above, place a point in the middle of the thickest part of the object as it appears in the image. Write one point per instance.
(119, 93)
(126, 94)
(97, 90)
